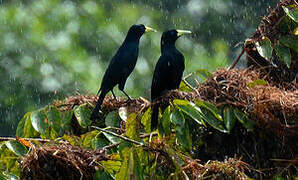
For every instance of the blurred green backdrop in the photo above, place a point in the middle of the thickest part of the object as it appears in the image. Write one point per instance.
(50, 49)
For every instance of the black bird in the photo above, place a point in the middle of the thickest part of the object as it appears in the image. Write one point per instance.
(168, 70)
(121, 65)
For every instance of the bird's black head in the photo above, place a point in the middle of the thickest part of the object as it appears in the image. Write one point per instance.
(138, 30)
(170, 37)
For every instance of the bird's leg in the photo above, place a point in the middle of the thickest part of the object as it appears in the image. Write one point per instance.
(126, 95)
(114, 95)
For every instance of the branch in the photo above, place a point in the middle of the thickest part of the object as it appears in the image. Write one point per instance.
(119, 136)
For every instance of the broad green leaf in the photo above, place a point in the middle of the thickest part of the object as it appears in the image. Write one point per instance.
(133, 127)
(290, 41)
(184, 87)
(213, 121)
(243, 119)
(54, 118)
(283, 25)
(210, 107)
(146, 120)
(257, 83)
(192, 111)
(229, 118)
(111, 138)
(181, 128)
(87, 138)
(124, 172)
(82, 114)
(181, 102)
(99, 142)
(21, 125)
(284, 54)
(293, 14)
(123, 113)
(111, 166)
(16, 147)
(183, 136)
(165, 120)
(40, 122)
(177, 118)
(66, 119)
(135, 169)
(25, 128)
(112, 119)
(264, 48)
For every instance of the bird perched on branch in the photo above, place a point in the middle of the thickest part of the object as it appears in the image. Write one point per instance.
(121, 65)
(168, 70)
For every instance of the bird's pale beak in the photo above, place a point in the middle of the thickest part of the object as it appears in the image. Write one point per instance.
(181, 32)
(149, 29)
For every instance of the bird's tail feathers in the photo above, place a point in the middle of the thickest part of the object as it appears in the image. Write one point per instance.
(154, 117)
(98, 105)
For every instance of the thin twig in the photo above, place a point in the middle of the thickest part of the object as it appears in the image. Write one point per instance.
(237, 59)
(27, 139)
(119, 136)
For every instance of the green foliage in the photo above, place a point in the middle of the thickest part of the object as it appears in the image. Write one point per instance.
(178, 123)
(287, 39)
(265, 48)
(82, 114)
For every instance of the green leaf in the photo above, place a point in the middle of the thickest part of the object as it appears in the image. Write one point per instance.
(284, 54)
(40, 122)
(229, 118)
(16, 147)
(166, 122)
(212, 120)
(293, 14)
(111, 138)
(146, 120)
(54, 118)
(243, 119)
(181, 128)
(112, 166)
(210, 107)
(66, 120)
(124, 172)
(184, 87)
(133, 127)
(290, 41)
(25, 128)
(177, 118)
(112, 119)
(87, 138)
(264, 48)
(82, 114)
(183, 136)
(257, 83)
(99, 142)
(123, 113)
(192, 111)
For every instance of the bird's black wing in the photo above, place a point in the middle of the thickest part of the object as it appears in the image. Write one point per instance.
(120, 67)
(167, 74)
